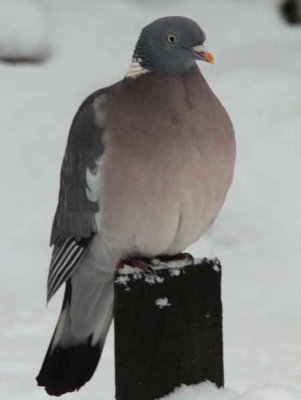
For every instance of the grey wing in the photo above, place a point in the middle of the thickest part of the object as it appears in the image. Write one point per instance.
(74, 222)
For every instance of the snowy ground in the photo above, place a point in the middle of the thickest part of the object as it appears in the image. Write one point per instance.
(257, 236)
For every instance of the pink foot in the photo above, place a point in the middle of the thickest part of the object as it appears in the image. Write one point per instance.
(142, 263)
(177, 257)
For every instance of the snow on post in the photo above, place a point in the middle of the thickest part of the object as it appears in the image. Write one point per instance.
(24, 35)
(168, 329)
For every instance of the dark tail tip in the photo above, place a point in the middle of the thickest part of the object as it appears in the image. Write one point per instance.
(68, 369)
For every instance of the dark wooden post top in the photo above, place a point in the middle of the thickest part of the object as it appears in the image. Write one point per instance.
(168, 329)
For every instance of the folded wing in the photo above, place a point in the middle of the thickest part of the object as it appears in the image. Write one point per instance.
(74, 222)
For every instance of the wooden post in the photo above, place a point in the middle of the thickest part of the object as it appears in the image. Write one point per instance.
(168, 330)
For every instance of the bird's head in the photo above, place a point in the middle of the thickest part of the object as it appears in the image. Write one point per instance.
(171, 45)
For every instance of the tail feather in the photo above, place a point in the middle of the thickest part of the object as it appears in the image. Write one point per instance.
(70, 361)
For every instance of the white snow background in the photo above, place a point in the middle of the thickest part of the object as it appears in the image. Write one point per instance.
(257, 75)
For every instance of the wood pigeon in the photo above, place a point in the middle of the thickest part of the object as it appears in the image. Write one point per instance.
(147, 167)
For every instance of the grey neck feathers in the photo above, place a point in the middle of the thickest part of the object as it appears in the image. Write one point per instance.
(136, 69)
(141, 61)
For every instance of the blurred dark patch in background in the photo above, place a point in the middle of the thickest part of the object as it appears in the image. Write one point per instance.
(291, 10)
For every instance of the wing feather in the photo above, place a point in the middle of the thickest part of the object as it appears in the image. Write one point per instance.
(75, 211)
(63, 263)
(74, 222)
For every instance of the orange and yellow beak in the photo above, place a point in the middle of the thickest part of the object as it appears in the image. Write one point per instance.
(201, 53)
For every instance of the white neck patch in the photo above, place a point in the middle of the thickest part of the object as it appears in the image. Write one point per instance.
(136, 69)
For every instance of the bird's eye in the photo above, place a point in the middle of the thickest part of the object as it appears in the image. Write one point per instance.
(171, 38)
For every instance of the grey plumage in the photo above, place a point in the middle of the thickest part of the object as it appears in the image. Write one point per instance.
(74, 222)
(147, 167)
(75, 212)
